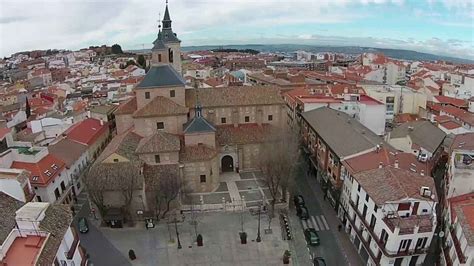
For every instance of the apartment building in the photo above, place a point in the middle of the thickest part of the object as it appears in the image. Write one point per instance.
(390, 213)
(330, 137)
(39, 233)
(458, 203)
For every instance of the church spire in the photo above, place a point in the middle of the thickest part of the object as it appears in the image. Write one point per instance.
(166, 18)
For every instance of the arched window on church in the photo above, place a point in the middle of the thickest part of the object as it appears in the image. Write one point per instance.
(170, 55)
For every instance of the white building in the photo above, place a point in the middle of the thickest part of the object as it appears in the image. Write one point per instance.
(16, 184)
(41, 235)
(389, 213)
(48, 174)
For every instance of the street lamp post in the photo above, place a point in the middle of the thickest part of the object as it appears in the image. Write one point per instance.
(259, 238)
(177, 233)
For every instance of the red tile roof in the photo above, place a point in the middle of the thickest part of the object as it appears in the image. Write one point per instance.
(386, 156)
(450, 125)
(42, 172)
(128, 107)
(463, 141)
(87, 131)
(4, 132)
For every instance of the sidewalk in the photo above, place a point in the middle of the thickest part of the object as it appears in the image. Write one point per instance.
(342, 239)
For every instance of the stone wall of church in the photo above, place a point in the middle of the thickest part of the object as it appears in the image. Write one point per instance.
(268, 114)
(146, 126)
(208, 138)
(194, 170)
(165, 158)
(178, 98)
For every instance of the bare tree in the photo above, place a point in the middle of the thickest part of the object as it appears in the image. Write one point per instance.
(164, 183)
(96, 188)
(124, 178)
(278, 161)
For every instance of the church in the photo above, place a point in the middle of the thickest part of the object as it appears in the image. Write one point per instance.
(193, 134)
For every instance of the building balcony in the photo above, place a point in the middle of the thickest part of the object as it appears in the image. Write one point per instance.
(407, 225)
(446, 256)
(375, 258)
(73, 248)
(381, 244)
(457, 247)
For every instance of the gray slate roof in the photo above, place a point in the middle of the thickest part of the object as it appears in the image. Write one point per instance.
(158, 44)
(422, 133)
(342, 133)
(161, 76)
(8, 208)
(198, 124)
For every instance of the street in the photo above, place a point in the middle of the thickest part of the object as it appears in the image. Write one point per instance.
(335, 247)
(100, 250)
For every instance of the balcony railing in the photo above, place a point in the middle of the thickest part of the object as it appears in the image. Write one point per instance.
(380, 243)
(457, 247)
(72, 249)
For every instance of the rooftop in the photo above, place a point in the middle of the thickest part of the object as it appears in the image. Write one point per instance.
(462, 207)
(123, 144)
(42, 172)
(234, 96)
(242, 134)
(8, 208)
(422, 133)
(343, 134)
(390, 184)
(69, 151)
(161, 76)
(159, 142)
(24, 251)
(161, 106)
(87, 131)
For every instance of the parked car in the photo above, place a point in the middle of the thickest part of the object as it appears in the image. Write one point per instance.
(303, 214)
(83, 225)
(319, 261)
(298, 200)
(311, 236)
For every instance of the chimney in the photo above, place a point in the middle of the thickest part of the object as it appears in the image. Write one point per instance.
(101, 122)
(380, 165)
(422, 172)
(396, 164)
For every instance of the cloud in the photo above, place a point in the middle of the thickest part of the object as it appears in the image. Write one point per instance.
(74, 24)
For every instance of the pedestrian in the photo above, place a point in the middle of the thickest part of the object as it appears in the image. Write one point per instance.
(339, 227)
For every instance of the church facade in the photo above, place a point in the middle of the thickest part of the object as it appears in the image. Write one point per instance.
(195, 134)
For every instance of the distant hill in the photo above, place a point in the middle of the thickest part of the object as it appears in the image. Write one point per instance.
(393, 53)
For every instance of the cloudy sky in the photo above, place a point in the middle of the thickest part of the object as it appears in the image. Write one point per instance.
(444, 27)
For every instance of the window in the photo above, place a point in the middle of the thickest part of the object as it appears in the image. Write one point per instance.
(54, 166)
(172, 93)
(223, 120)
(160, 125)
(375, 208)
(358, 187)
(63, 186)
(270, 117)
(170, 55)
(373, 220)
(38, 198)
(56, 193)
(366, 197)
(203, 178)
(364, 212)
(384, 236)
(159, 57)
(421, 242)
(404, 245)
(247, 119)
(115, 160)
(157, 158)
(36, 188)
(404, 206)
(147, 95)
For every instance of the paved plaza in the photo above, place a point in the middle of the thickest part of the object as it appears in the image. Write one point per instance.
(222, 245)
(236, 190)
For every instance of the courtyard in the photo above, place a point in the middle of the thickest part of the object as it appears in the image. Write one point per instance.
(236, 191)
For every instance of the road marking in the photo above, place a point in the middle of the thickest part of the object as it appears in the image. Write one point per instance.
(316, 226)
(320, 223)
(325, 222)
